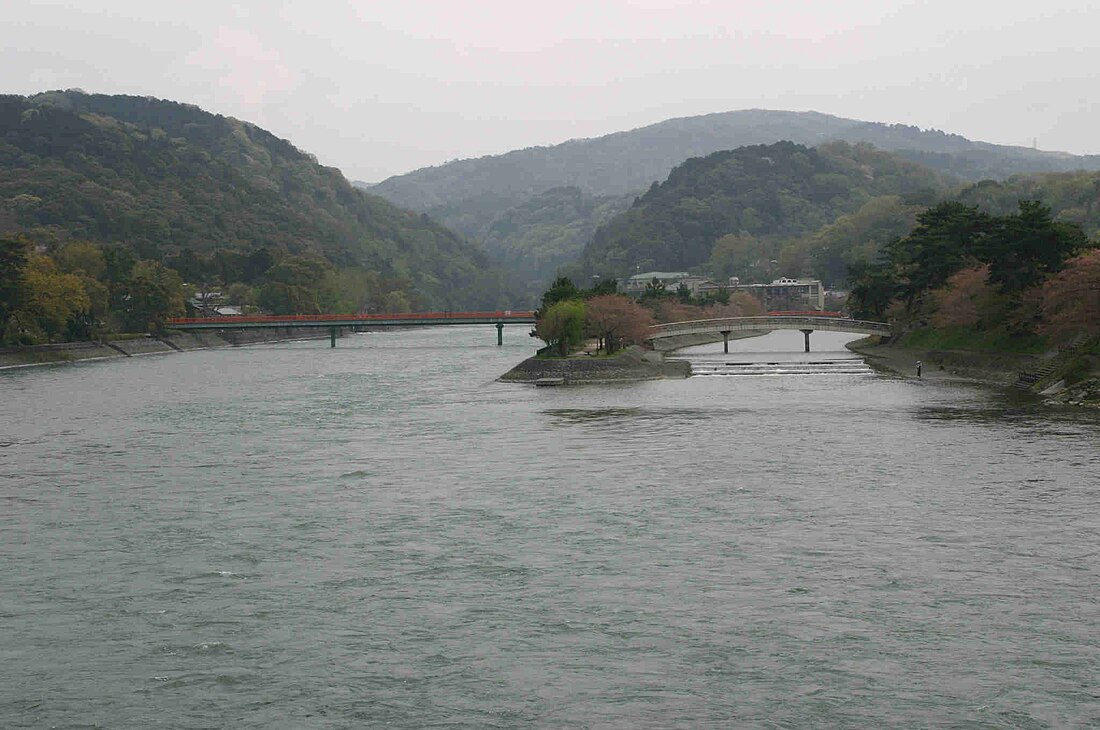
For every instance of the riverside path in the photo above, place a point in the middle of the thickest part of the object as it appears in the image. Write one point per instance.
(336, 321)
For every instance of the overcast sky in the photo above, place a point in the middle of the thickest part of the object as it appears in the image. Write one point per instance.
(380, 88)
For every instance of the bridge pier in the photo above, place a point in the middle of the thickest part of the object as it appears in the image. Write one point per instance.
(500, 334)
(332, 335)
(807, 333)
(726, 341)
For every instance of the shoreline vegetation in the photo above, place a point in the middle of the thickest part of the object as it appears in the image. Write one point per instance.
(634, 363)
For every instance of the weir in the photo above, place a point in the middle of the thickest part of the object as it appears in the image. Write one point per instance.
(806, 322)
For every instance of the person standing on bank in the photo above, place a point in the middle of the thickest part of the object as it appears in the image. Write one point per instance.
(919, 365)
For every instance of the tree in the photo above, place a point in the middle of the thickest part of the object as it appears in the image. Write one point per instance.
(741, 304)
(655, 289)
(741, 255)
(561, 326)
(721, 296)
(295, 285)
(155, 293)
(561, 290)
(52, 299)
(857, 237)
(603, 286)
(1029, 245)
(874, 287)
(13, 262)
(1071, 299)
(967, 300)
(947, 236)
(82, 257)
(279, 298)
(354, 291)
(747, 305)
(617, 320)
(396, 301)
(90, 322)
(670, 310)
(240, 295)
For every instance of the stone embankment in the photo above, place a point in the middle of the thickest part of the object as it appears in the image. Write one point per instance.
(996, 368)
(62, 352)
(1005, 370)
(1085, 393)
(631, 364)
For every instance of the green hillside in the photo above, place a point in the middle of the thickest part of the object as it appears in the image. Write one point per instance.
(479, 197)
(548, 231)
(214, 198)
(1074, 197)
(737, 212)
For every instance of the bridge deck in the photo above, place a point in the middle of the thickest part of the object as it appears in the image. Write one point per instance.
(769, 322)
(418, 319)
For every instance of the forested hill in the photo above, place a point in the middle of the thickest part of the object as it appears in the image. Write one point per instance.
(494, 200)
(749, 212)
(211, 196)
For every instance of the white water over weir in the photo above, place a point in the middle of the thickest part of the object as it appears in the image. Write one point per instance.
(805, 322)
(769, 322)
(780, 367)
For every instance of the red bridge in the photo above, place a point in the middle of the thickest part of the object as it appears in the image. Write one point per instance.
(335, 321)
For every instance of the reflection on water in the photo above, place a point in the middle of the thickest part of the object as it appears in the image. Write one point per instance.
(583, 415)
(381, 535)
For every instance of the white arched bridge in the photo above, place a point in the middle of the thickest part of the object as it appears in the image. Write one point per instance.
(806, 322)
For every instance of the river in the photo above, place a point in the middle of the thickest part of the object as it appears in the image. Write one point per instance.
(380, 535)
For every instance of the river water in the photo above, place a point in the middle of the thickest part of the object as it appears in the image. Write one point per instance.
(380, 535)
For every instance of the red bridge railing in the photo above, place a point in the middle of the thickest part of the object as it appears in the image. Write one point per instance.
(502, 315)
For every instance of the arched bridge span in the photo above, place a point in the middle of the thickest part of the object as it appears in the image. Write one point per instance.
(804, 322)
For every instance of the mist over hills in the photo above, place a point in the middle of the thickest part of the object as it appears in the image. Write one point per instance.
(625, 162)
(174, 183)
(480, 197)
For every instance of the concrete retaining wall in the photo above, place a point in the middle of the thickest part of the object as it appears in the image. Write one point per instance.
(75, 351)
(57, 352)
(140, 346)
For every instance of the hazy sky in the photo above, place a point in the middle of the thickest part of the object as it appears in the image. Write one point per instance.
(379, 88)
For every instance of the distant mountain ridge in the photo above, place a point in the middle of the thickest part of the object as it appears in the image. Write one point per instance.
(625, 162)
(482, 197)
(177, 184)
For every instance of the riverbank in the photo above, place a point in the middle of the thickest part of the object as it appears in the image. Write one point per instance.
(632, 364)
(66, 352)
(1005, 370)
(1001, 369)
